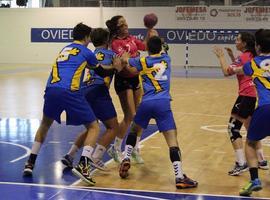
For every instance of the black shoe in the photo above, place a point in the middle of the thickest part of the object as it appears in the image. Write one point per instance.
(183, 183)
(82, 171)
(67, 160)
(28, 169)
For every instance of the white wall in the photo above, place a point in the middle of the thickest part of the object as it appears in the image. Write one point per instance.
(16, 24)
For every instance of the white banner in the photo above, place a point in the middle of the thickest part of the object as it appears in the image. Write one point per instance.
(191, 13)
(256, 13)
(225, 13)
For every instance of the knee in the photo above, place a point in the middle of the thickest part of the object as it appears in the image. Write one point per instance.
(234, 127)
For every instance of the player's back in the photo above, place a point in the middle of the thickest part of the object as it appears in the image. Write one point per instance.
(261, 77)
(105, 58)
(156, 75)
(68, 69)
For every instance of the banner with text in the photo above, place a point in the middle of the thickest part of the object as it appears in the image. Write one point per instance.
(224, 14)
(171, 36)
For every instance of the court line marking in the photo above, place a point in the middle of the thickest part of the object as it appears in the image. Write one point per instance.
(103, 190)
(28, 151)
(65, 187)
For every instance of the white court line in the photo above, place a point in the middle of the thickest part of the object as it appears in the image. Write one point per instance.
(79, 189)
(28, 151)
(103, 190)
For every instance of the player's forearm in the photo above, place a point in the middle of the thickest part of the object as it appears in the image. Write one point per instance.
(104, 72)
(224, 66)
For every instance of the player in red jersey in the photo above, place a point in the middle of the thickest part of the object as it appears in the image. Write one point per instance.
(245, 103)
(127, 85)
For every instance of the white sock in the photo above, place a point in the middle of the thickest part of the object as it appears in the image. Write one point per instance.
(73, 150)
(177, 167)
(260, 155)
(36, 147)
(240, 156)
(137, 143)
(118, 143)
(99, 151)
(128, 151)
(87, 151)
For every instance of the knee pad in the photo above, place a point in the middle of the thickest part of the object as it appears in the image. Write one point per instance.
(131, 139)
(234, 127)
(175, 154)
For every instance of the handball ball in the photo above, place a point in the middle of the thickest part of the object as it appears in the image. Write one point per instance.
(150, 20)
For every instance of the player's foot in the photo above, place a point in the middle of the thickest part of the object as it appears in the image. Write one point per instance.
(183, 183)
(251, 186)
(136, 156)
(68, 161)
(28, 169)
(238, 169)
(263, 165)
(82, 171)
(115, 154)
(124, 167)
(99, 164)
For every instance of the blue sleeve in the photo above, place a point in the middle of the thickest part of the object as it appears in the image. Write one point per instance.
(135, 62)
(91, 59)
(247, 69)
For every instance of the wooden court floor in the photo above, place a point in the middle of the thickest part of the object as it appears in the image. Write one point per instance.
(201, 109)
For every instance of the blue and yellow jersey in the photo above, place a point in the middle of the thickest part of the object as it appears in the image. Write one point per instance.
(155, 71)
(259, 69)
(68, 69)
(105, 58)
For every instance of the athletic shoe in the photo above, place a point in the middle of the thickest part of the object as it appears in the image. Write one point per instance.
(99, 164)
(82, 171)
(238, 169)
(28, 169)
(263, 165)
(115, 154)
(136, 156)
(68, 161)
(124, 167)
(183, 183)
(251, 186)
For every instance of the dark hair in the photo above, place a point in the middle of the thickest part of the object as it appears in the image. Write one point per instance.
(112, 25)
(262, 37)
(249, 39)
(80, 31)
(99, 36)
(154, 45)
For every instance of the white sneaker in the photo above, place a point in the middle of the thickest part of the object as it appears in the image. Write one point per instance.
(115, 154)
(99, 164)
(137, 157)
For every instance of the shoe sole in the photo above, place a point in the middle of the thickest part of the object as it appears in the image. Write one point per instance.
(185, 186)
(123, 171)
(66, 163)
(248, 193)
(264, 167)
(79, 175)
(238, 173)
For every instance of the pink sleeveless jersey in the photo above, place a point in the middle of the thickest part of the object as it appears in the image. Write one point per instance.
(246, 85)
(129, 44)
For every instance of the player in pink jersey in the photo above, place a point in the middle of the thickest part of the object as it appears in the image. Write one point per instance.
(127, 86)
(245, 103)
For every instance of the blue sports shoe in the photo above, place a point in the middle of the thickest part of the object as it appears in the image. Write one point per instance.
(251, 186)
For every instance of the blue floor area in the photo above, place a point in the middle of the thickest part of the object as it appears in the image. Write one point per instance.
(16, 135)
(50, 192)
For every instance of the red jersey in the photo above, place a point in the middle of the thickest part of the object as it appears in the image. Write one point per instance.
(129, 44)
(246, 85)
